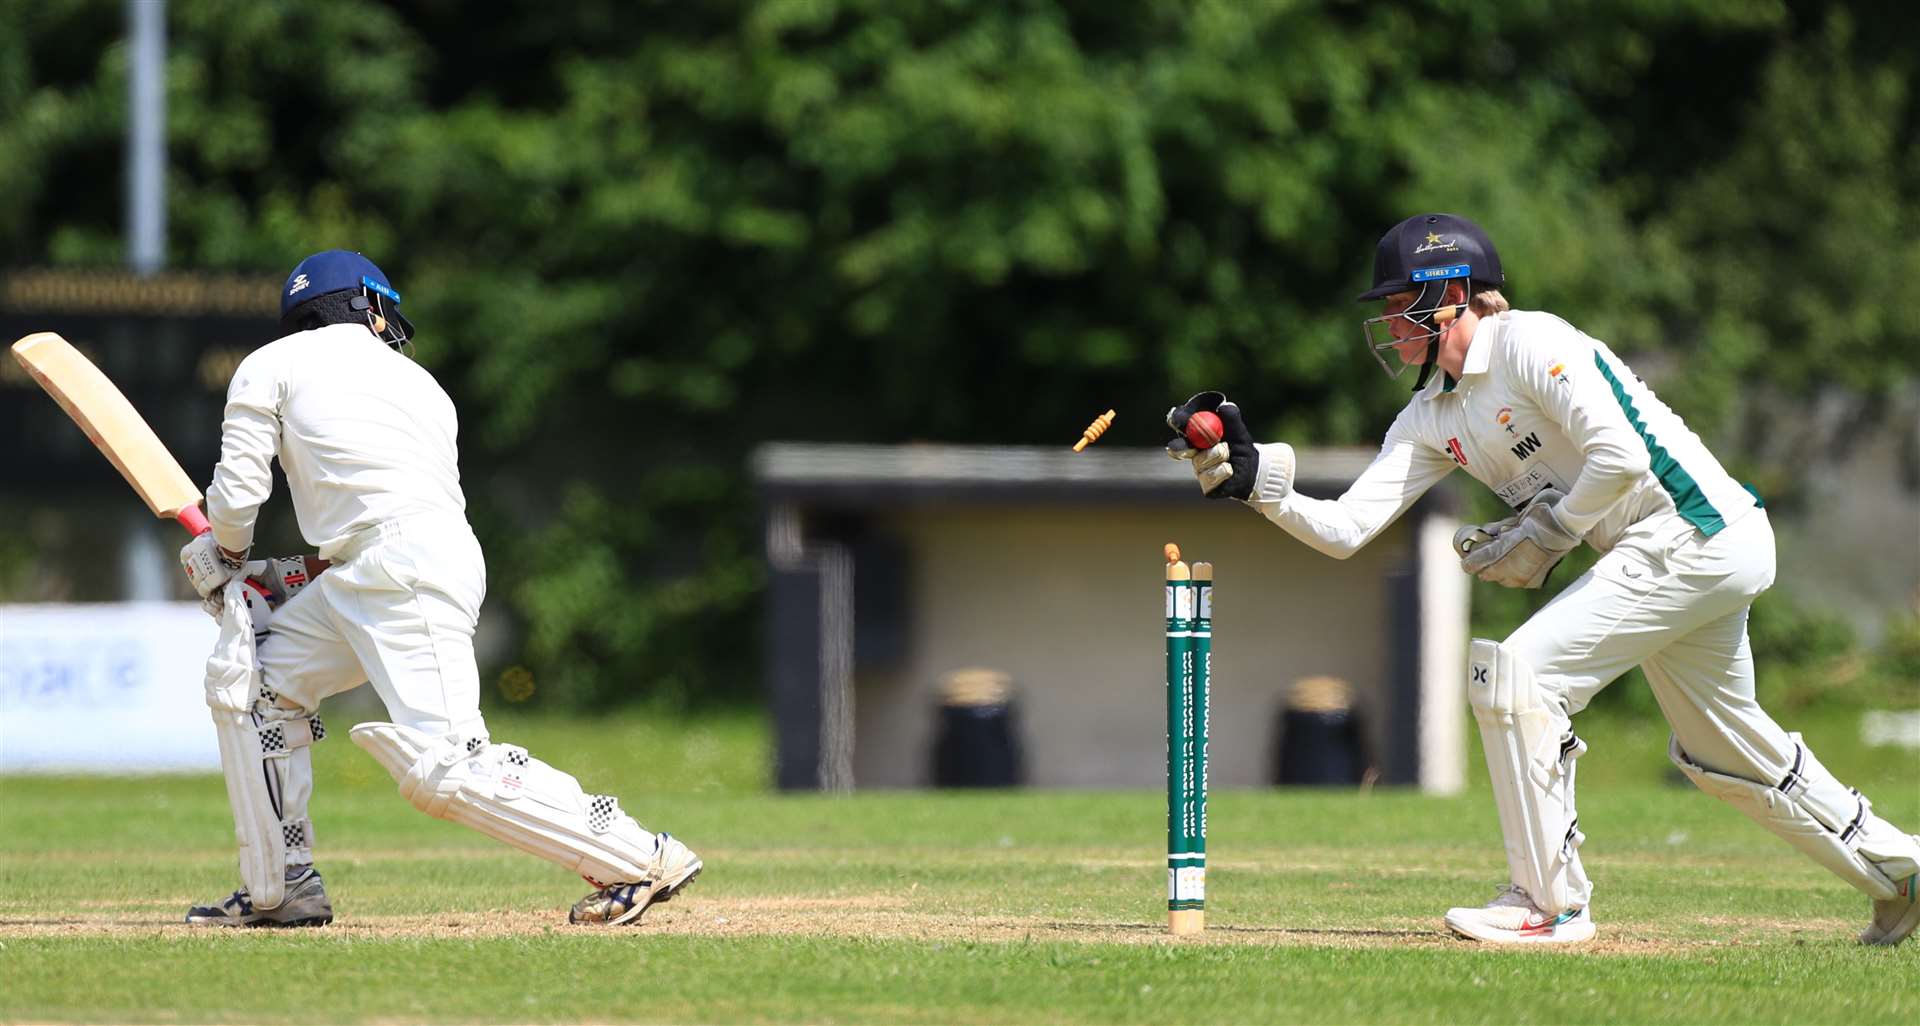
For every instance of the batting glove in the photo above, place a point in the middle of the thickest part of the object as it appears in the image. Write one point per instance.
(207, 565)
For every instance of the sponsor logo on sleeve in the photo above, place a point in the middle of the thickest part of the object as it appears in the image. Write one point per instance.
(1453, 449)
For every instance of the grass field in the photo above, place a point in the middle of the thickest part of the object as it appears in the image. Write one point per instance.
(938, 907)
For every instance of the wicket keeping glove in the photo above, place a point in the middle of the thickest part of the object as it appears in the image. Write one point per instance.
(1520, 551)
(1237, 467)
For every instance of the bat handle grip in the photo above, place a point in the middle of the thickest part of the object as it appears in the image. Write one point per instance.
(193, 520)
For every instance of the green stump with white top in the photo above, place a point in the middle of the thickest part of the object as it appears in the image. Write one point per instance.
(1189, 658)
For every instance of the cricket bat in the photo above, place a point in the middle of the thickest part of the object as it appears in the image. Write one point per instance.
(115, 427)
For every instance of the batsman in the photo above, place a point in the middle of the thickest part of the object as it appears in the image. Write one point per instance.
(366, 438)
(1561, 429)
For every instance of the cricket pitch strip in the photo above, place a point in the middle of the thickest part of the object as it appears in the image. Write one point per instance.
(888, 917)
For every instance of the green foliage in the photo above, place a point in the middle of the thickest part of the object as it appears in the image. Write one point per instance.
(1805, 657)
(1800, 656)
(1899, 653)
(639, 239)
(1819, 228)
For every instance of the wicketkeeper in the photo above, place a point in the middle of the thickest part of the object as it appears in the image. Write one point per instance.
(366, 439)
(1582, 450)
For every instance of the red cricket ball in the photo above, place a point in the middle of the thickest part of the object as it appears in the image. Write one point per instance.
(1204, 430)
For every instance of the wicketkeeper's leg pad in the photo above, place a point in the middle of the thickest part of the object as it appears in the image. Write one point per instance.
(1809, 809)
(264, 741)
(501, 791)
(1531, 750)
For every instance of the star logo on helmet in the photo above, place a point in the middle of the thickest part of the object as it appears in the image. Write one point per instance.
(1433, 239)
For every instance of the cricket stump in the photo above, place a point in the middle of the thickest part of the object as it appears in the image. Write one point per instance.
(1189, 664)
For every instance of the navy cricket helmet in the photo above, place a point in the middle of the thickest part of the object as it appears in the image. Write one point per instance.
(1415, 248)
(341, 287)
(1422, 255)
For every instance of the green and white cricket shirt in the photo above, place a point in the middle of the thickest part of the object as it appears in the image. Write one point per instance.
(1538, 403)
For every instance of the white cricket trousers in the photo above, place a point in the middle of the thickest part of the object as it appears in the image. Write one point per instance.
(397, 609)
(1674, 603)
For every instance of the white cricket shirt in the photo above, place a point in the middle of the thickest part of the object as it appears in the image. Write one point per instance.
(364, 435)
(1539, 403)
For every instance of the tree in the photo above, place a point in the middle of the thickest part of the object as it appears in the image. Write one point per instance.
(640, 239)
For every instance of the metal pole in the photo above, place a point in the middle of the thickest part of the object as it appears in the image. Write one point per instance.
(143, 557)
(146, 136)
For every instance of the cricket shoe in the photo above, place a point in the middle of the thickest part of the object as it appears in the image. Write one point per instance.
(674, 867)
(1512, 918)
(306, 904)
(1895, 917)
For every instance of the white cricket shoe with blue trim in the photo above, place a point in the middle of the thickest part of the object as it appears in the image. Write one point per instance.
(1512, 918)
(305, 904)
(674, 866)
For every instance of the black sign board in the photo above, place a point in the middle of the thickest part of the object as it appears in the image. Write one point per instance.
(170, 341)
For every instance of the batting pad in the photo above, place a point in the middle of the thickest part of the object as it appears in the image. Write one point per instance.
(264, 756)
(1531, 750)
(501, 791)
(1833, 824)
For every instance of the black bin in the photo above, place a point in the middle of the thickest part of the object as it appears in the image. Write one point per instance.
(1321, 742)
(978, 741)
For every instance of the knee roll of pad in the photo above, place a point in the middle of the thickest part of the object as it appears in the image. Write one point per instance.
(1809, 809)
(1498, 681)
(502, 791)
(1531, 751)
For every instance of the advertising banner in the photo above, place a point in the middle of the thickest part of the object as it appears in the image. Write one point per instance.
(107, 687)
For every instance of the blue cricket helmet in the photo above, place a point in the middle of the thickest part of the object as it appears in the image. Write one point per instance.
(334, 271)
